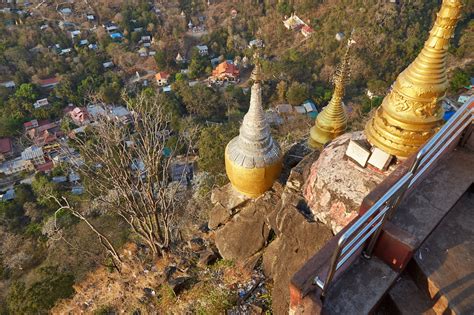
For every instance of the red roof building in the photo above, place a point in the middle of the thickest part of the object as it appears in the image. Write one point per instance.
(44, 133)
(49, 83)
(46, 167)
(162, 78)
(307, 31)
(6, 148)
(225, 71)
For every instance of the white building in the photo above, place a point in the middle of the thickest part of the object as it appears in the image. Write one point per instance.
(16, 166)
(203, 50)
(34, 154)
(41, 103)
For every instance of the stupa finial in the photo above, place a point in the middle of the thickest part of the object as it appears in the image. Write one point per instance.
(411, 113)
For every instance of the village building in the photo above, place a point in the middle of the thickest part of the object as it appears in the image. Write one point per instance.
(41, 103)
(6, 148)
(16, 166)
(225, 71)
(307, 31)
(8, 195)
(294, 23)
(108, 64)
(116, 36)
(49, 83)
(65, 11)
(34, 154)
(310, 107)
(110, 27)
(77, 190)
(203, 50)
(45, 133)
(179, 59)
(65, 51)
(96, 111)
(182, 169)
(143, 52)
(75, 33)
(256, 43)
(120, 114)
(162, 78)
(465, 96)
(284, 109)
(8, 84)
(59, 179)
(31, 124)
(79, 116)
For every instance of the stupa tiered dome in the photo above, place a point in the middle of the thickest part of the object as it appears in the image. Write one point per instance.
(332, 121)
(411, 113)
(253, 159)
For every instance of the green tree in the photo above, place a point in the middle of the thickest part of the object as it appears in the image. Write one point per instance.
(459, 80)
(27, 92)
(212, 142)
(110, 92)
(200, 101)
(297, 93)
(160, 59)
(198, 65)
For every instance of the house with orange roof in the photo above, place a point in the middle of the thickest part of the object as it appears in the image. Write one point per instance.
(226, 72)
(162, 78)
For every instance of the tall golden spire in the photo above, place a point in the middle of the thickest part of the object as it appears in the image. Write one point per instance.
(253, 160)
(411, 113)
(332, 121)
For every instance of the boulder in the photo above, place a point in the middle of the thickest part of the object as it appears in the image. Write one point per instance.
(206, 257)
(298, 240)
(196, 244)
(218, 216)
(336, 186)
(228, 197)
(245, 234)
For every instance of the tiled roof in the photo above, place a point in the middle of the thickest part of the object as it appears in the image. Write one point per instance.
(5, 145)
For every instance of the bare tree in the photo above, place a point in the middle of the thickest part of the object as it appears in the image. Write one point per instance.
(127, 165)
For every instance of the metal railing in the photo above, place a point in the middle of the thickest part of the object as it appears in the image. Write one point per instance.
(366, 230)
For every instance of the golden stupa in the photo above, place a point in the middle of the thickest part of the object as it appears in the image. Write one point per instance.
(253, 160)
(332, 121)
(411, 113)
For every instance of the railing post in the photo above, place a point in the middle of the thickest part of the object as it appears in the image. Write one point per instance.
(332, 269)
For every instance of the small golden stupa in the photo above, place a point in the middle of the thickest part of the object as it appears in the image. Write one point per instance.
(411, 113)
(332, 121)
(253, 160)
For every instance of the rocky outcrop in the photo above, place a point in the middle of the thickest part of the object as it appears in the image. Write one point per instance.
(336, 186)
(277, 226)
(244, 235)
